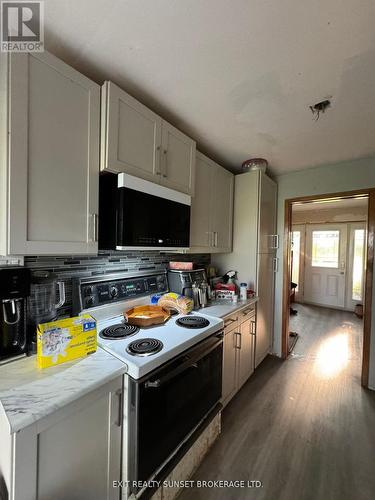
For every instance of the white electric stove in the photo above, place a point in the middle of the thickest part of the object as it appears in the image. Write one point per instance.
(174, 382)
(107, 297)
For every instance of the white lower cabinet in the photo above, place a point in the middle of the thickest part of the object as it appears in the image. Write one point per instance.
(238, 352)
(229, 366)
(245, 352)
(74, 453)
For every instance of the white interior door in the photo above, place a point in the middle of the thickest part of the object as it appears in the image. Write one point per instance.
(325, 264)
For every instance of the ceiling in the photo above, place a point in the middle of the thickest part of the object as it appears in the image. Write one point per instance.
(346, 203)
(239, 75)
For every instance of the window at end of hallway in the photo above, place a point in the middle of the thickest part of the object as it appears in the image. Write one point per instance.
(358, 255)
(325, 249)
(296, 249)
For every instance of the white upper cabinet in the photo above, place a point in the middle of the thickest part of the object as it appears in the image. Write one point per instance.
(200, 235)
(131, 135)
(211, 208)
(52, 115)
(136, 141)
(177, 160)
(222, 209)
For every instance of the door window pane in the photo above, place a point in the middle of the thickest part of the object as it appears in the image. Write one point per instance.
(325, 248)
(358, 255)
(296, 245)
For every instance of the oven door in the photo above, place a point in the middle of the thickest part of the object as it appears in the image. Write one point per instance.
(167, 406)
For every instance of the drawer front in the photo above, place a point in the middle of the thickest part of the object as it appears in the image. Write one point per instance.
(246, 313)
(230, 323)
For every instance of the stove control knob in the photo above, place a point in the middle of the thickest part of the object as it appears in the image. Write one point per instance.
(113, 292)
(90, 301)
(89, 290)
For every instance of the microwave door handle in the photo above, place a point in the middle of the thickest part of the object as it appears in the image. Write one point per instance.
(190, 363)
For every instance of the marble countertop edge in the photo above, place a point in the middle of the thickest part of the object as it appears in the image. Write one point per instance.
(27, 402)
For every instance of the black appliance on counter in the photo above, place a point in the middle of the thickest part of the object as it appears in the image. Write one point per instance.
(135, 213)
(14, 291)
(181, 281)
(169, 404)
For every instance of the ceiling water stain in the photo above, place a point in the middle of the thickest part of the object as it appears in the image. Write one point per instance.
(267, 139)
(267, 88)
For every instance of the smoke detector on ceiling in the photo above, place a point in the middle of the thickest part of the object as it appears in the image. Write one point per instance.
(320, 107)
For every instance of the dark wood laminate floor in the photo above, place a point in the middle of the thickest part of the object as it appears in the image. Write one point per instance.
(304, 427)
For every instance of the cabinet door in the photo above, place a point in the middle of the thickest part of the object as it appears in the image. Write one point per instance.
(200, 235)
(131, 135)
(267, 214)
(53, 157)
(265, 310)
(79, 456)
(222, 209)
(229, 366)
(246, 351)
(177, 160)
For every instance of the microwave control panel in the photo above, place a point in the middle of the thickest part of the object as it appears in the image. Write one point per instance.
(96, 294)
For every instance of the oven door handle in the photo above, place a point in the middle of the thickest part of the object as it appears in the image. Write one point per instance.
(190, 363)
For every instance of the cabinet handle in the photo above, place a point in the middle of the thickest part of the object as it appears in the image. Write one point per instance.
(240, 343)
(165, 169)
(208, 238)
(229, 321)
(95, 221)
(275, 264)
(158, 172)
(215, 238)
(247, 311)
(274, 241)
(119, 414)
(252, 328)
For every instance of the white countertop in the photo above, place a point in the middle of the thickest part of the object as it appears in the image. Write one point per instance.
(28, 393)
(223, 308)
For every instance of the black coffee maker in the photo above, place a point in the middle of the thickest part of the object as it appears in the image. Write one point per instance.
(14, 290)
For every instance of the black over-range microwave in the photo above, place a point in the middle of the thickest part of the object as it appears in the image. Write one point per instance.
(135, 214)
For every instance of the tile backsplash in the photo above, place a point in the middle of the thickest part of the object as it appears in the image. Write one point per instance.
(106, 262)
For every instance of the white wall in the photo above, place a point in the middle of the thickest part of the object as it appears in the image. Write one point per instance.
(345, 176)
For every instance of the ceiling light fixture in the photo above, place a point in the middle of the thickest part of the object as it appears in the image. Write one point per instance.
(255, 164)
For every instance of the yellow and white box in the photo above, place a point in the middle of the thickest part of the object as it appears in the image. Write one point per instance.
(65, 340)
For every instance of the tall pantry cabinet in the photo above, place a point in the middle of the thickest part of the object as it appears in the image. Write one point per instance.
(254, 249)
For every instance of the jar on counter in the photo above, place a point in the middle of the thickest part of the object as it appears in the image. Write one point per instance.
(243, 291)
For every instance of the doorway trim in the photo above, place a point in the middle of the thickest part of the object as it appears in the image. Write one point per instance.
(369, 270)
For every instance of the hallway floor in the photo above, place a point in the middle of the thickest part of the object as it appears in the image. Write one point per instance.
(304, 427)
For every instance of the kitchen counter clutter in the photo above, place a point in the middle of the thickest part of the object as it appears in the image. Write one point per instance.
(28, 394)
(224, 308)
